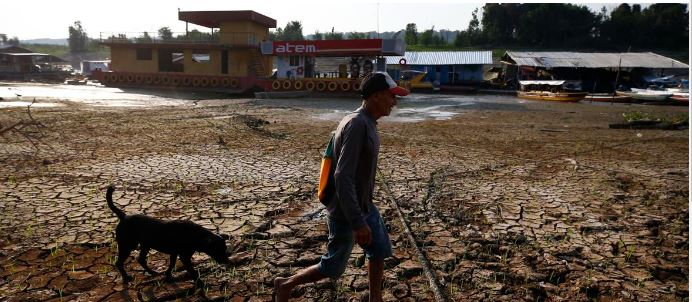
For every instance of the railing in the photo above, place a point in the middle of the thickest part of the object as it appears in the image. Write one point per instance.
(195, 37)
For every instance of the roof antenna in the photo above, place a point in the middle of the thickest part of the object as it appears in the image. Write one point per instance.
(378, 20)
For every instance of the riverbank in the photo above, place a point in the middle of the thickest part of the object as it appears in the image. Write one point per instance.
(507, 199)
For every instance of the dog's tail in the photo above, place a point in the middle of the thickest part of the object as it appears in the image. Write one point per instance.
(109, 199)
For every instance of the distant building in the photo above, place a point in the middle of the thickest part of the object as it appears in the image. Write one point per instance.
(18, 63)
(598, 72)
(444, 67)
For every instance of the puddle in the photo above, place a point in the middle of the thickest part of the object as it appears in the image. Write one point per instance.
(99, 96)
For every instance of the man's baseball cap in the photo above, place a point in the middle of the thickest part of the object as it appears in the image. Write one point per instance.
(378, 81)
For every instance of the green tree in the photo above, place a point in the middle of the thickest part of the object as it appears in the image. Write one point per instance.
(144, 38)
(356, 35)
(292, 32)
(666, 26)
(427, 37)
(411, 36)
(165, 33)
(3, 38)
(14, 41)
(557, 26)
(500, 22)
(78, 39)
(318, 35)
(333, 35)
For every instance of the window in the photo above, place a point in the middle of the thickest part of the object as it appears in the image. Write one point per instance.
(177, 58)
(294, 61)
(171, 60)
(143, 53)
(200, 57)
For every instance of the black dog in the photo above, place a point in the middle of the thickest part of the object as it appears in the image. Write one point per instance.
(175, 238)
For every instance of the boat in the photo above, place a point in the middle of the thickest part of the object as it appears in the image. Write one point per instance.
(606, 97)
(646, 94)
(681, 93)
(551, 90)
(682, 97)
(415, 80)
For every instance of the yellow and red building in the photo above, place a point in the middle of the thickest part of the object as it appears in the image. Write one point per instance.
(237, 55)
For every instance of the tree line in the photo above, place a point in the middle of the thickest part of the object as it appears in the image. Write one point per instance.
(544, 25)
(553, 25)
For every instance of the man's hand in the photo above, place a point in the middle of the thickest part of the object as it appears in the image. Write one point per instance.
(363, 235)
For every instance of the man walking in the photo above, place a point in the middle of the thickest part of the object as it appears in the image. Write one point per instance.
(352, 214)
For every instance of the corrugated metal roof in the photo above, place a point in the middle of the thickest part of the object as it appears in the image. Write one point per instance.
(594, 60)
(443, 57)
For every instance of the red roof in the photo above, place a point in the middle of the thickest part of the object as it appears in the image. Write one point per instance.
(213, 19)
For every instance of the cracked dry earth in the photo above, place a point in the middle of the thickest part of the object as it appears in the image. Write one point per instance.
(544, 203)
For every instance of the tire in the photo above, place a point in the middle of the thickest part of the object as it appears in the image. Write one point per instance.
(286, 84)
(345, 86)
(186, 81)
(310, 85)
(298, 85)
(234, 83)
(276, 85)
(321, 86)
(356, 85)
(214, 82)
(332, 86)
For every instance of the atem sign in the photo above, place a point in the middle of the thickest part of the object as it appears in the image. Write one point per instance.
(327, 47)
(287, 47)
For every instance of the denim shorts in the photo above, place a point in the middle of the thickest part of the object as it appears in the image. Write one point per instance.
(334, 261)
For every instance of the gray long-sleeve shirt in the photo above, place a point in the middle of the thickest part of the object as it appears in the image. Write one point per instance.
(356, 146)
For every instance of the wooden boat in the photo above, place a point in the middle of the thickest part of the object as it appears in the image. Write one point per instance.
(551, 90)
(646, 94)
(552, 96)
(610, 98)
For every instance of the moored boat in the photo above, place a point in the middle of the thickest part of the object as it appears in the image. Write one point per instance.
(612, 98)
(646, 94)
(551, 90)
(552, 96)
(681, 97)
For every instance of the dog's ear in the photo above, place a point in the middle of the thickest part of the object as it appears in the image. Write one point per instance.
(225, 237)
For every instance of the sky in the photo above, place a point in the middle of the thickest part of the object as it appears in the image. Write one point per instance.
(51, 19)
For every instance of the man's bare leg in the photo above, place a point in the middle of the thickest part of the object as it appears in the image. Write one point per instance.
(283, 286)
(375, 272)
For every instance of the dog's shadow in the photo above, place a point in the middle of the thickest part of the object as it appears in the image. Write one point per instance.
(150, 290)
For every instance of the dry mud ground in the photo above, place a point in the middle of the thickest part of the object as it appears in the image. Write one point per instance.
(544, 203)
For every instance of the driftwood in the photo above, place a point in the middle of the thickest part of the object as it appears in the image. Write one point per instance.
(22, 128)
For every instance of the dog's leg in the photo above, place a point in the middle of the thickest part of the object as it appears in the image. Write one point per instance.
(123, 253)
(187, 262)
(142, 259)
(171, 266)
